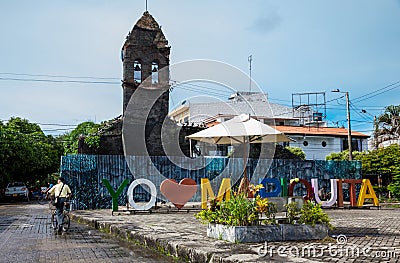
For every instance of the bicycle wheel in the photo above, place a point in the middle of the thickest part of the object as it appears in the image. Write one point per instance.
(42, 200)
(66, 225)
(67, 222)
(54, 222)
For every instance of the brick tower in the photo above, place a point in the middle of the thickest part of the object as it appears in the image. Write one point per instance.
(143, 54)
(145, 57)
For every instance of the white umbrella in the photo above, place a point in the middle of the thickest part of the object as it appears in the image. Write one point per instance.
(241, 129)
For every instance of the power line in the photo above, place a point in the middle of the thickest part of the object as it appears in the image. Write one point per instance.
(54, 76)
(335, 99)
(377, 92)
(49, 130)
(357, 111)
(207, 90)
(55, 124)
(203, 87)
(61, 81)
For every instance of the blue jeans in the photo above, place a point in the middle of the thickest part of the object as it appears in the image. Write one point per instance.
(60, 210)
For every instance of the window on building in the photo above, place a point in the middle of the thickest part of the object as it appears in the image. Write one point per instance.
(154, 72)
(355, 146)
(323, 143)
(137, 71)
(270, 122)
(305, 143)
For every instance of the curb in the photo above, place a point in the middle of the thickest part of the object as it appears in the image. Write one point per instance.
(168, 247)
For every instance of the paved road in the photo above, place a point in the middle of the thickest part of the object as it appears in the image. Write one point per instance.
(361, 235)
(26, 236)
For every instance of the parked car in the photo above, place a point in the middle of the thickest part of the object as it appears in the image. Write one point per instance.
(35, 193)
(17, 190)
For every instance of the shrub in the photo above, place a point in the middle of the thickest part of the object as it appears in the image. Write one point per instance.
(237, 211)
(312, 214)
(293, 212)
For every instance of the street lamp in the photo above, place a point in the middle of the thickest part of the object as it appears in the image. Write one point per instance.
(348, 122)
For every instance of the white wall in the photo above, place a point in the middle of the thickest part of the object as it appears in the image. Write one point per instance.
(314, 150)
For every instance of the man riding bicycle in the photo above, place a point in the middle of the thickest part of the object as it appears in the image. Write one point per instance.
(61, 191)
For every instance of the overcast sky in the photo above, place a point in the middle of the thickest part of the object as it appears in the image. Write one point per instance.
(297, 46)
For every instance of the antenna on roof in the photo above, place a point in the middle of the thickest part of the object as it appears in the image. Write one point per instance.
(250, 59)
(146, 5)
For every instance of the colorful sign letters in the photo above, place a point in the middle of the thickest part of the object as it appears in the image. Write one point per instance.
(180, 193)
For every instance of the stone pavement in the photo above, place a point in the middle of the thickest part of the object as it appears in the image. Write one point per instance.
(26, 235)
(361, 235)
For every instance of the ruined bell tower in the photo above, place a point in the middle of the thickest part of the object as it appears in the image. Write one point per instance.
(144, 53)
(145, 83)
(145, 58)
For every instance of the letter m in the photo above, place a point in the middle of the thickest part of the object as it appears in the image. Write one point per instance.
(206, 190)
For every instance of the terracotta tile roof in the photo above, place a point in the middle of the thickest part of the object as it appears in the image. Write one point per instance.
(318, 131)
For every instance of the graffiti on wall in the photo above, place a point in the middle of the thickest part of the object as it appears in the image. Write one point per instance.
(85, 174)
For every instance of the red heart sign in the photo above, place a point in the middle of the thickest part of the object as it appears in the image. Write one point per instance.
(178, 194)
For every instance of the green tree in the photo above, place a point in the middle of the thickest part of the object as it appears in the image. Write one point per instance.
(343, 156)
(387, 125)
(297, 151)
(382, 159)
(389, 121)
(26, 153)
(86, 129)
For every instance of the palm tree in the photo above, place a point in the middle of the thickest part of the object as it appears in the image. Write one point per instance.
(388, 125)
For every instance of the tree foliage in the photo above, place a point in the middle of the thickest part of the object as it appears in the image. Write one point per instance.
(88, 130)
(389, 121)
(343, 156)
(26, 153)
(387, 126)
(297, 151)
(382, 159)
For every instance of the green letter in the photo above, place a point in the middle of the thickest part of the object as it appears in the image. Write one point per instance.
(114, 194)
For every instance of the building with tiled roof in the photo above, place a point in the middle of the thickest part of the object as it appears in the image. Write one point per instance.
(313, 136)
(317, 142)
(254, 103)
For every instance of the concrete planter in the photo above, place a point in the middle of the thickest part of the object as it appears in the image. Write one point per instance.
(282, 232)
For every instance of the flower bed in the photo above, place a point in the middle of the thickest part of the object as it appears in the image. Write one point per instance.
(243, 219)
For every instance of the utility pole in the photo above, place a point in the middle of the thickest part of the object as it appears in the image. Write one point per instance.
(250, 59)
(348, 123)
(349, 127)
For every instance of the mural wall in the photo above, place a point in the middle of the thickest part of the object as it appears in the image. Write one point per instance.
(85, 172)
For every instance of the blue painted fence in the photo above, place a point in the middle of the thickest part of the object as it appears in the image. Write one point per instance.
(85, 172)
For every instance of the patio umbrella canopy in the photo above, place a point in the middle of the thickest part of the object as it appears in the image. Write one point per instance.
(241, 129)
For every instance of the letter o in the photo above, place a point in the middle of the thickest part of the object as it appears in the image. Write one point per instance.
(309, 195)
(153, 193)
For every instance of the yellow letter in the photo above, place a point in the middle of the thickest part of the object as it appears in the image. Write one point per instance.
(366, 185)
(206, 190)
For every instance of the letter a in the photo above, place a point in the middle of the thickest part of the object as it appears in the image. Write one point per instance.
(366, 185)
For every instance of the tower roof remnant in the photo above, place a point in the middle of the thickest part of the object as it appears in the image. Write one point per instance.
(148, 23)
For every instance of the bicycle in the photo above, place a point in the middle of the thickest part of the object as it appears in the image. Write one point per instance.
(67, 220)
(42, 199)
